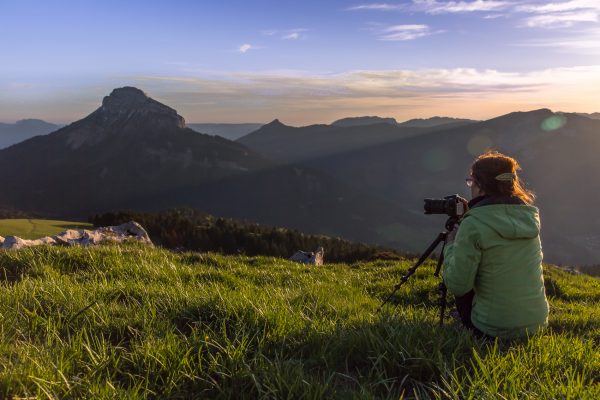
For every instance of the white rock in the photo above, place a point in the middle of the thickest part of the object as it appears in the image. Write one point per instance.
(84, 237)
(309, 257)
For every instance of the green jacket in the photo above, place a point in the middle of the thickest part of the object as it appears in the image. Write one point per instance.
(497, 253)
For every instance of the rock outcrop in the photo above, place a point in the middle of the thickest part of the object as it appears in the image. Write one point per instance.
(83, 237)
(309, 257)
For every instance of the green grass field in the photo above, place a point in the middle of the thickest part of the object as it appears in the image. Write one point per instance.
(134, 322)
(37, 228)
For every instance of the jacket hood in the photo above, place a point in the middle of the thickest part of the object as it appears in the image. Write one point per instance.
(511, 221)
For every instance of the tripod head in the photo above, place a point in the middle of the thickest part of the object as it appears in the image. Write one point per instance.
(451, 222)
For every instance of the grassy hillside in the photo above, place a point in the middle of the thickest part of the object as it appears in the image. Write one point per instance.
(36, 228)
(135, 322)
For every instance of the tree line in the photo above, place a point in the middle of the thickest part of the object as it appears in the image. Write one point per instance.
(189, 229)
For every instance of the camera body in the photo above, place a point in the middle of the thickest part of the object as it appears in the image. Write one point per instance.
(453, 206)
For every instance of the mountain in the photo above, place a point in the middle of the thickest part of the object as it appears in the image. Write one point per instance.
(299, 144)
(362, 121)
(22, 130)
(435, 122)
(595, 115)
(292, 144)
(412, 123)
(558, 153)
(134, 152)
(227, 131)
(131, 146)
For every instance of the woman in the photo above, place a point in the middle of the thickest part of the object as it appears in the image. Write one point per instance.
(493, 260)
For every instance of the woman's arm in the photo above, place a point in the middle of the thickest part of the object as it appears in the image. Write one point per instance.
(461, 259)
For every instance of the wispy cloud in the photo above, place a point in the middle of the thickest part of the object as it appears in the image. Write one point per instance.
(560, 14)
(245, 47)
(444, 7)
(495, 16)
(437, 7)
(291, 36)
(378, 6)
(298, 97)
(563, 6)
(292, 89)
(561, 20)
(287, 34)
(404, 32)
(586, 41)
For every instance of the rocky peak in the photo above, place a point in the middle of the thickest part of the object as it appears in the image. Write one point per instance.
(127, 96)
(275, 123)
(131, 105)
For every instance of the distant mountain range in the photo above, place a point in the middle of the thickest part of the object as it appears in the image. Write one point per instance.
(559, 157)
(22, 130)
(361, 182)
(293, 144)
(413, 123)
(595, 115)
(227, 131)
(136, 153)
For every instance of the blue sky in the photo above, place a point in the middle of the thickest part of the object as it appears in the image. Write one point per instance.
(303, 62)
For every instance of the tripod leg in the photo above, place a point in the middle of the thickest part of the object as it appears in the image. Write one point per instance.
(440, 238)
(442, 291)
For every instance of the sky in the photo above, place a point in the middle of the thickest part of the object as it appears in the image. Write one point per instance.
(302, 62)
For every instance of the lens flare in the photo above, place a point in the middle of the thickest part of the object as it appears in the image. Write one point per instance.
(554, 122)
(436, 159)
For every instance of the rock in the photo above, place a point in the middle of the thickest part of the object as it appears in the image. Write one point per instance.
(84, 237)
(14, 242)
(306, 257)
(1, 240)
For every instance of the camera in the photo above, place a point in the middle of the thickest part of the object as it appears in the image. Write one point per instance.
(453, 206)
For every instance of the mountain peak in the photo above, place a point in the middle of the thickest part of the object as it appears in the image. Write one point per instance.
(127, 95)
(275, 122)
(131, 105)
(362, 121)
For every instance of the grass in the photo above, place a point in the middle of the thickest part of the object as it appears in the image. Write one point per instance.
(136, 322)
(37, 228)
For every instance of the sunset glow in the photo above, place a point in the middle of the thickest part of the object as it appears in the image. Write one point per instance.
(301, 62)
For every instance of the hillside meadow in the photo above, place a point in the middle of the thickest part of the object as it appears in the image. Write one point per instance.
(37, 228)
(133, 322)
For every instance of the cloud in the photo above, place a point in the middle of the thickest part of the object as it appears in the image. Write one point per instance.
(378, 6)
(444, 7)
(404, 32)
(287, 34)
(562, 20)
(560, 14)
(438, 7)
(495, 16)
(586, 41)
(382, 83)
(302, 97)
(245, 47)
(299, 97)
(291, 36)
(572, 5)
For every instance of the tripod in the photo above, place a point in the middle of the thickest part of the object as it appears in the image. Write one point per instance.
(441, 289)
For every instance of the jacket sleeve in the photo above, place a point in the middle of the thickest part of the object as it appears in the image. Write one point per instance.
(461, 259)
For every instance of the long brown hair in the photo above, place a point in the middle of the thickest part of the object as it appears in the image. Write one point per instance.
(486, 169)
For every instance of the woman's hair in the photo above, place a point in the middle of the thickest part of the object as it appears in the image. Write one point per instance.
(496, 174)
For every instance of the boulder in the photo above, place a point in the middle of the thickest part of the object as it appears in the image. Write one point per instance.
(84, 237)
(309, 257)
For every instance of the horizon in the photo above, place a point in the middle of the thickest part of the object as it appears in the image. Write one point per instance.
(302, 63)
